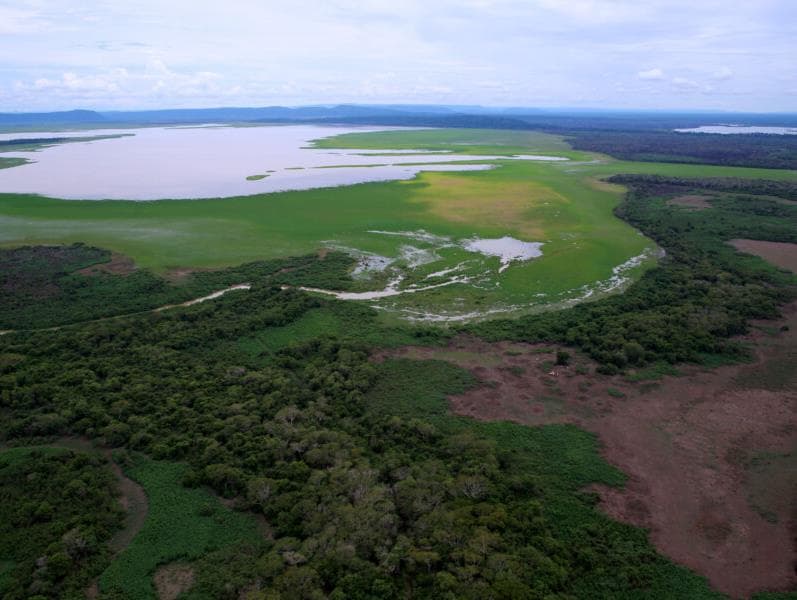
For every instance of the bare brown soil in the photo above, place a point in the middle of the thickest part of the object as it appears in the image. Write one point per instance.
(118, 265)
(173, 579)
(711, 455)
(691, 201)
(780, 254)
(181, 274)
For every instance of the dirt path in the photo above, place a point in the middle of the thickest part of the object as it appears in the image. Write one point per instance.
(711, 455)
(212, 296)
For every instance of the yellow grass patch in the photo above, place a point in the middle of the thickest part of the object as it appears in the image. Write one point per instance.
(605, 186)
(503, 205)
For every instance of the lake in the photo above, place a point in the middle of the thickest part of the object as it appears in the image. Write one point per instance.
(739, 129)
(211, 162)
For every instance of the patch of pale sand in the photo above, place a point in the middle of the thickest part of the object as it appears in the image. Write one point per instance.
(118, 265)
(695, 201)
(606, 186)
(173, 579)
(780, 254)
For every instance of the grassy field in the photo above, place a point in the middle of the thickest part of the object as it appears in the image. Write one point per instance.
(563, 205)
(7, 162)
(182, 524)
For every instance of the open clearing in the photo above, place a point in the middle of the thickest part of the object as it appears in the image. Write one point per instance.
(691, 201)
(711, 455)
(780, 254)
(172, 580)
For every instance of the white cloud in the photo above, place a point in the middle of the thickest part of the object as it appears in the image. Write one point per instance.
(129, 87)
(722, 74)
(651, 74)
(689, 85)
(16, 21)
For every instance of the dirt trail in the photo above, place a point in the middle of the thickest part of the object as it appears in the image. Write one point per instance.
(711, 455)
(212, 296)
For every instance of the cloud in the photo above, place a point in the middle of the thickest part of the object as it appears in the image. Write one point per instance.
(16, 21)
(721, 74)
(652, 74)
(597, 12)
(690, 85)
(155, 79)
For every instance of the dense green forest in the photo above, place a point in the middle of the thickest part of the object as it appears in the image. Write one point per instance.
(58, 508)
(369, 488)
(751, 150)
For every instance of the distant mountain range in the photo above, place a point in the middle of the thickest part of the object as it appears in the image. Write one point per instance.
(398, 114)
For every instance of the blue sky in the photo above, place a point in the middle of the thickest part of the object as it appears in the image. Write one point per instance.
(663, 54)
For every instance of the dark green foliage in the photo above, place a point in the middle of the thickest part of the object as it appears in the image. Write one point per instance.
(755, 150)
(735, 185)
(562, 357)
(702, 293)
(41, 287)
(57, 509)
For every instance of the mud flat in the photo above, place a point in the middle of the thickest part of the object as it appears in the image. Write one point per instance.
(780, 254)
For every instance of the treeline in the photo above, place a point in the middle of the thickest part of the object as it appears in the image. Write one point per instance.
(58, 509)
(744, 150)
(702, 293)
(43, 286)
(413, 120)
(786, 190)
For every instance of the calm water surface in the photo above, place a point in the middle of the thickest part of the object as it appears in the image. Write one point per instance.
(739, 129)
(208, 162)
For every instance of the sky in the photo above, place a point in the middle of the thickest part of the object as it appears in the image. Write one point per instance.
(627, 54)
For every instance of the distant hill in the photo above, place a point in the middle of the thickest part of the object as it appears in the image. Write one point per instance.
(269, 113)
(70, 117)
(429, 115)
